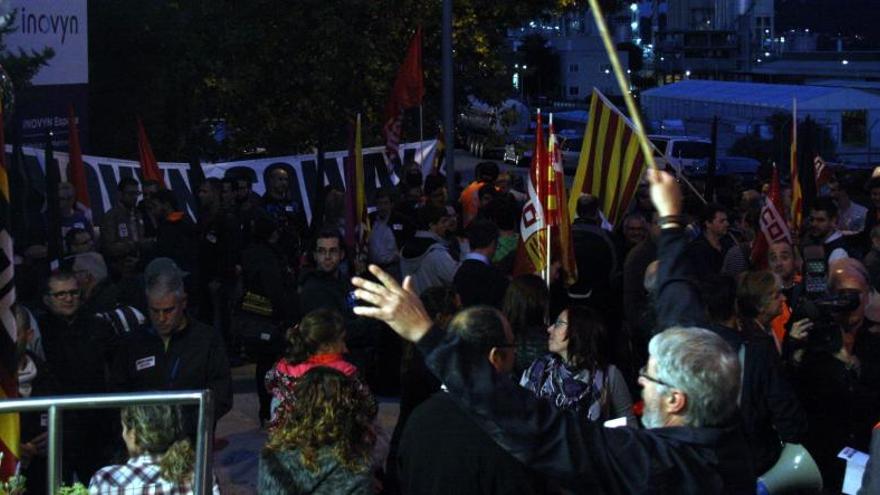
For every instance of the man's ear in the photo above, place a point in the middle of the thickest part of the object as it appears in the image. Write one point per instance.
(496, 358)
(675, 402)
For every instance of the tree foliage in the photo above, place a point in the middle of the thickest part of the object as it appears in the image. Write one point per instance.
(21, 66)
(281, 75)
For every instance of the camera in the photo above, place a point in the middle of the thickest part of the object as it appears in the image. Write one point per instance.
(821, 306)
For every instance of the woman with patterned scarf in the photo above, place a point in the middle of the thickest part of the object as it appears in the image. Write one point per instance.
(576, 374)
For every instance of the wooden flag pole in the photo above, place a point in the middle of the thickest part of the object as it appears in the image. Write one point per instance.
(547, 226)
(623, 83)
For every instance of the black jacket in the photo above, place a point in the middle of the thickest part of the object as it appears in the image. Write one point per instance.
(195, 359)
(587, 456)
(462, 459)
(318, 289)
(584, 456)
(479, 283)
(771, 411)
(77, 351)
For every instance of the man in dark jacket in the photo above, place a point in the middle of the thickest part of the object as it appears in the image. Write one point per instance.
(173, 352)
(707, 251)
(692, 444)
(477, 281)
(771, 411)
(595, 254)
(322, 287)
(78, 346)
(462, 459)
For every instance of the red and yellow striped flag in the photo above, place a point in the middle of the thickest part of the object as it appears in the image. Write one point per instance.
(797, 193)
(557, 213)
(10, 431)
(611, 163)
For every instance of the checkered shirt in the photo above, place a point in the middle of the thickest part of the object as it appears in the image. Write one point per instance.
(139, 475)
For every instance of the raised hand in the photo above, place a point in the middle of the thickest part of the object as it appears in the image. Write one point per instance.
(398, 306)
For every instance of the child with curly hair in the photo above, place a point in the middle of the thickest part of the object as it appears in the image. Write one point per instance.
(325, 446)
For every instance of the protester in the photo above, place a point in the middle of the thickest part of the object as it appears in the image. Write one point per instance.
(426, 256)
(477, 281)
(462, 458)
(79, 346)
(123, 223)
(526, 309)
(707, 251)
(173, 352)
(851, 215)
(267, 307)
(823, 230)
(71, 216)
(484, 173)
(595, 254)
(383, 249)
(771, 412)
(836, 365)
(689, 386)
(161, 457)
(325, 447)
(324, 286)
(577, 374)
(318, 340)
(78, 241)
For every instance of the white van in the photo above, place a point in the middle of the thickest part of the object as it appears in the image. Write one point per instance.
(682, 154)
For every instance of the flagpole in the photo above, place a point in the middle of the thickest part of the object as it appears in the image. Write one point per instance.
(547, 173)
(623, 83)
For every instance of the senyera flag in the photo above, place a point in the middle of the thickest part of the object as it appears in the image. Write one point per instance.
(557, 213)
(531, 252)
(611, 162)
(797, 192)
(76, 171)
(10, 431)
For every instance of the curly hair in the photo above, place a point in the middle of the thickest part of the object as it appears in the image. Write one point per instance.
(318, 328)
(330, 413)
(159, 430)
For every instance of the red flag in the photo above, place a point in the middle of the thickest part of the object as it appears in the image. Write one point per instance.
(76, 171)
(149, 165)
(772, 225)
(797, 192)
(531, 256)
(557, 211)
(408, 91)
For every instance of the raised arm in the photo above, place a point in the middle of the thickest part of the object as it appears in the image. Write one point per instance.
(678, 301)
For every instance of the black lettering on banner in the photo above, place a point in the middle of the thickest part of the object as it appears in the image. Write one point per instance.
(530, 215)
(109, 178)
(185, 198)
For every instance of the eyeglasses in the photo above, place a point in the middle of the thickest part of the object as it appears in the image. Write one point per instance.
(65, 293)
(644, 374)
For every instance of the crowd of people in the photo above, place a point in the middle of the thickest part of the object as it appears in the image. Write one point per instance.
(676, 362)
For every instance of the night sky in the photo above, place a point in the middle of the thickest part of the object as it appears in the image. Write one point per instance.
(829, 17)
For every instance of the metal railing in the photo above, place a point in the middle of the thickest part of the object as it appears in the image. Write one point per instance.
(202, 484)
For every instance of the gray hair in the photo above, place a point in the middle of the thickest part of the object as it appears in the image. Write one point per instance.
(165, 283)
(700, 364)
(92, 263)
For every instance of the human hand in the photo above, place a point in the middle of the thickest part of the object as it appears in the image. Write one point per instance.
(665, 193)
(800, 329)
(399, 307)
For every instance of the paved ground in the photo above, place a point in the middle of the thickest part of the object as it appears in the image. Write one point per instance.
(236, 464)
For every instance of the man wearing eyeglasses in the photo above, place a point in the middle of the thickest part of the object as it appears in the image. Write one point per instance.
(693, 443)
(78, 346)
(323, 287)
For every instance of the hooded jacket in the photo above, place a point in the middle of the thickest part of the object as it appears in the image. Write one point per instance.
(427, 259)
